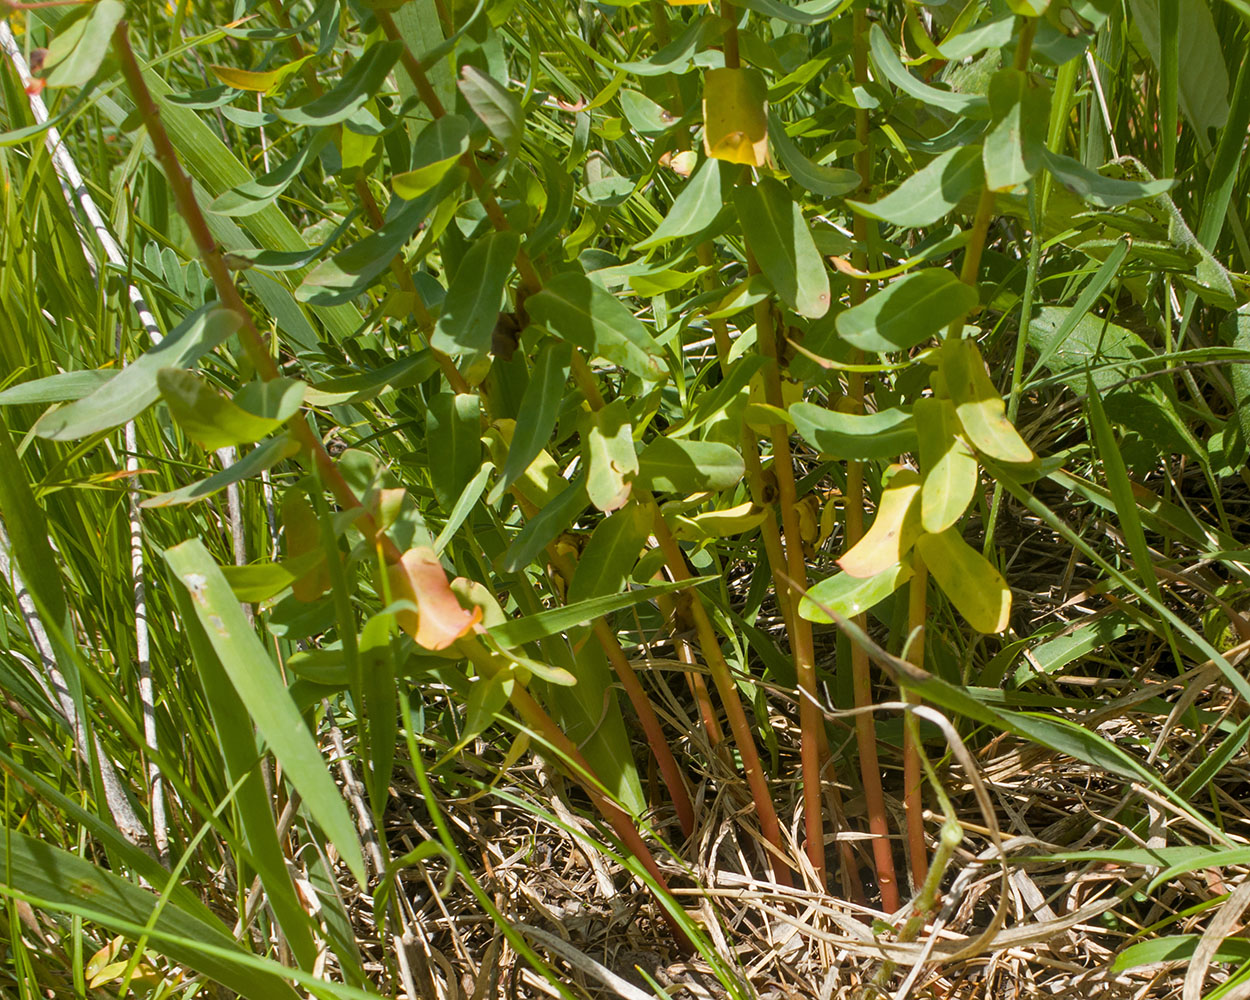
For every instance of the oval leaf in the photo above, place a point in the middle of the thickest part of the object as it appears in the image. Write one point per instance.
(907, 312)
(782, 243)
(973, 585)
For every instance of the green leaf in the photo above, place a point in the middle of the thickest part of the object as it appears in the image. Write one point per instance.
(947, 464)
(252, 196)
(215, 422)
(610, 457)
(453, 438)
(555, 517)
(358, 85)
(134, 388)
(1103, 192)
(851, 595)
(979, 406)
(1203, 76)
(256, 679)
(907, 312)
(471, 308)
(519, 631)
(349, 272)
(644, 115)
(59, 388)
(75, 54)
(435, 152)
(781, 240)
(1013, 148)
(256, 582)
(679, 55)
(1177, 948)
(887, 61)
(256, 461)
(1239, 374)
(812, 12)
(856, 436)
(829, 182)
(990, 35)
(63, 879)
(541, 405)
(592, 318)
(931, 193)
(694, 208)
(973, 585)
(669, 465)
(608, 560)
(494, 104)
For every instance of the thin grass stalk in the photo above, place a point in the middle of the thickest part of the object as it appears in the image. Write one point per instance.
(913, 801)
(861, 673)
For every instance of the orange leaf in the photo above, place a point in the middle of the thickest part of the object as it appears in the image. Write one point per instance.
(440, 620)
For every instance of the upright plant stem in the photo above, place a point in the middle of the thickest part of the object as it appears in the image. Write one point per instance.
(861, 676)
(917, 611)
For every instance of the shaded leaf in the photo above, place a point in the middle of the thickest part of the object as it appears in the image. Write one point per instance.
(674, 465)
(930, 193)
(781, 240)
(857, 436)
(907, 311)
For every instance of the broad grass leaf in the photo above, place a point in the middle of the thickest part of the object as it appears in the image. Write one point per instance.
(856, 436)
(1177, 948)
(256, 461)
(980, 408)
(608, 560)
(76, 53)
(212, 420)
(494, 104)
(694, 209)
(1097, 190)
(610, 457)
(471, 308)
(893, 531)
(544, 394)
(243, 763)
(947, 464)
(358, 85)
(907, 311)
(781, 240)
(62, 387)
(1238, 325)
(64, 879)
(1203, 76)
(435, 152)
(892, 68)
(134, 388)
(263, 691)
(851, 595)
(673, 465)
(1012, 150)
(932, 192)
(735, 116)
(592, 318)
(968, 579)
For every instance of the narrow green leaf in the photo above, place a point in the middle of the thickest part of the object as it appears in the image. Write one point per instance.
(930, 193)
(134, 388)
(1013, 147)
(1103, 192)
(592, 318)
(694, 208)
(947, 464)
(453, 437)
(973, 585)
(252, 196)
(907, 312)
(829, 182)
(1177, 948)
(857, 436)
(670, 465)
(541, 405)
(471, 308)
(59, 388)
(892, 68)
(256, 461)
(554, 518)
(494, 104)
(264, 692)
(781, 240)
(608, 560)
(435, 152)
(358, 85)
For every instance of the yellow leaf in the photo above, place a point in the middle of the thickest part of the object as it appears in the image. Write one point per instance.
(894, 530)
(260, 81)
(978, 404)
(973, 585)
(735, 116)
